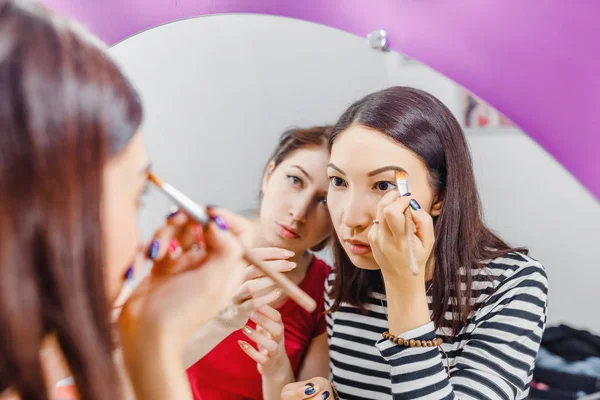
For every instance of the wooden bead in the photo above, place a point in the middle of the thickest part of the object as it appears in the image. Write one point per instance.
(405, 342)
(429, 343)
(418, 343)
(412, 343)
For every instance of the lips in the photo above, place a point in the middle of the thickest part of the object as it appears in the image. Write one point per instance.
(287, 232)
(357, 247)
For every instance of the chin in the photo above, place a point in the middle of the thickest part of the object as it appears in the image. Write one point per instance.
(363, 262)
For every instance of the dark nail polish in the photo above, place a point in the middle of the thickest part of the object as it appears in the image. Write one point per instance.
(310, 384)
(153, 250)
(309, 391)
(220, 222)
(415, 205)
(173, 213)
(406, 194)
(325, 395)
(129, 273)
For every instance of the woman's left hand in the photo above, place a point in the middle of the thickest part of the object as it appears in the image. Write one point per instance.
(271, 357)
(389, 240)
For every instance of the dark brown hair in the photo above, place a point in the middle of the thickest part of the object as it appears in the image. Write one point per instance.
(422, 124)
(65, 109)
(294, 139)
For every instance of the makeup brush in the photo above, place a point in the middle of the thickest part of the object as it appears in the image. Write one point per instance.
(200, 215)
(402, 185)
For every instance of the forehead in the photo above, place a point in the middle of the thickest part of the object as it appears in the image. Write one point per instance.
(361, 149)
(313, 158)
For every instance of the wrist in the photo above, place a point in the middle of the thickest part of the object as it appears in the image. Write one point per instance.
(407, 308)
(281, 372)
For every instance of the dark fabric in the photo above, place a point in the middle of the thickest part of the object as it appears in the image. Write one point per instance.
(566, 382)
(551, 394)
(570, 343)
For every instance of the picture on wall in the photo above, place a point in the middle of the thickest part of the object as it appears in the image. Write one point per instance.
(479, 114)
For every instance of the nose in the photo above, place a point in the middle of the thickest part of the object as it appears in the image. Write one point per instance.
(300, 209)
(358, 211)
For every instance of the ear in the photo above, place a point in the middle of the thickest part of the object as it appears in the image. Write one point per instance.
(436, 207)
(267, 176)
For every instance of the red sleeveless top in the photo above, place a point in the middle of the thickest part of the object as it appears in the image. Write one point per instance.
(227, 373)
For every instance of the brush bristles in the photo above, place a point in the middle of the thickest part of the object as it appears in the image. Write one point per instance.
(401, 176)
(154, 179)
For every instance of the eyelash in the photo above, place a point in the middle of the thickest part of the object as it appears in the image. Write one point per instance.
(342, 183)
(376, 186)
(294, 180)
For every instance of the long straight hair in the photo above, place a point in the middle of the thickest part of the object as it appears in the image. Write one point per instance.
(421, 123)
(65, 110)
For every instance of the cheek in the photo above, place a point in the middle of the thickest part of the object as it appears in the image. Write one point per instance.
(335, 206)
(122, 243)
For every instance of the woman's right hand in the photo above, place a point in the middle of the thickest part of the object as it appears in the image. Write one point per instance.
(257, 289)
(184, 290)
(315, 388)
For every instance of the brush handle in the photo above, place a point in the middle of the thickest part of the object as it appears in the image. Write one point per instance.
(195, 211)
(292, 290)
(200, 214)
(410, 232)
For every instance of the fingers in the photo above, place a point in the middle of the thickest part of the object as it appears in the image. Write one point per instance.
(423, 225)
(253, 288)
(262, 340)
(253, 353)
(236, 223)
(279, 265)
(394, 216)
(180, 232)
(313, 388)
(271, 253)
(270, 320)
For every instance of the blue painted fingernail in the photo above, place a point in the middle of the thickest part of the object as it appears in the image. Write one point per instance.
(325, 395)
(153, 250)
(406, 194)
(415, 205)
(174, 212)
(129, 273)
(310, 384)
(310, 390)
(220, 222)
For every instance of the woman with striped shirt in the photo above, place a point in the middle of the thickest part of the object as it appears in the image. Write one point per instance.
(469, 324)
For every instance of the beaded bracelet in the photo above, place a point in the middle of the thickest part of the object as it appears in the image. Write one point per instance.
(412, 342)
(437, 342)
(334, 392)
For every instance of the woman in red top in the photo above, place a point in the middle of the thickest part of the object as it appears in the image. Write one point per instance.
(293, 217)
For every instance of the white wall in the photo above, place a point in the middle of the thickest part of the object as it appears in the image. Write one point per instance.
(219, 90)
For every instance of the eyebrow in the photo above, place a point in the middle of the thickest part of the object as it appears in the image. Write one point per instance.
(303, 171)
(385, 169)
(374, 172)
(332, 165)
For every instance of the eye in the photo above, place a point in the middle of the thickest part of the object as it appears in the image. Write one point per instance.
(323, 201)
(294, 180)
(337, 181)
(384, 186)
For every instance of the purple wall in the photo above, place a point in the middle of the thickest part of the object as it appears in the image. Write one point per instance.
(539, 65)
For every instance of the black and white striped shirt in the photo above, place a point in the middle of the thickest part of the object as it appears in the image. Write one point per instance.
(490, 358)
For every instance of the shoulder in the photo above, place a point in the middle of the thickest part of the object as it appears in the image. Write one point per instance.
(319, 269)
(517, 277)
(515, 266)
